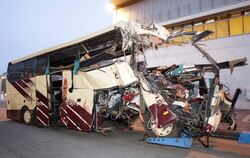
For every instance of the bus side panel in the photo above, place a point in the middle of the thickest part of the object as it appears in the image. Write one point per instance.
(42, 103)
(79, 104)
(63, 107)
(19, 94)
(29, 85)
(13, 108)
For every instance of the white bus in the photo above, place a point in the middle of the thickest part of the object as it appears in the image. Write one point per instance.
(81, 83)
(84, 85)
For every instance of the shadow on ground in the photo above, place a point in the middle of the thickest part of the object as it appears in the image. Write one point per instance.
(18, 140)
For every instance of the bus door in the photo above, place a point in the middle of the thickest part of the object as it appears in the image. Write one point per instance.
(42, 101)
(74, 113)
(55, 93)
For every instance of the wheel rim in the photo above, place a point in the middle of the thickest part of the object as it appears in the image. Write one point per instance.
(163, 131)
(27, 116)
(151, 125)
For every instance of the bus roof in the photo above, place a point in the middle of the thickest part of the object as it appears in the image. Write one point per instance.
(57, 47)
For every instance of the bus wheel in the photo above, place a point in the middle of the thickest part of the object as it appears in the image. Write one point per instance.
(172, 130)
(27, 116)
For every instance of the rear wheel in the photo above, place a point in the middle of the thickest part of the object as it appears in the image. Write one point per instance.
(27, 116)
(173, 129)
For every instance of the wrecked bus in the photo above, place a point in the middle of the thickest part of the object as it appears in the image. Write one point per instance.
(195, 93)
(90, 83)
(83, 83)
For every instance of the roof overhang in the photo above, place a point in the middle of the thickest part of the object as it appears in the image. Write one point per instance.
(206, 14)
(124, 3)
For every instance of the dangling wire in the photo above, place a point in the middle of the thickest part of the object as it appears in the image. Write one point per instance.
(47, 70)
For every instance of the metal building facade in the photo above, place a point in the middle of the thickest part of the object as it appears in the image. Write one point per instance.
(159, 11)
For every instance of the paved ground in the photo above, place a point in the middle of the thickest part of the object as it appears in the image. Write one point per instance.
(21, 141)
(243, 124)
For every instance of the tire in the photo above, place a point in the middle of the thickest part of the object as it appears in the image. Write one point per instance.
(173, 130)
(27, 116)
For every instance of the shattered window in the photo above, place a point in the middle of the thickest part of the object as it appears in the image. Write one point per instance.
(98, 65)
(29, 68)
(17, 71)
(41, 64)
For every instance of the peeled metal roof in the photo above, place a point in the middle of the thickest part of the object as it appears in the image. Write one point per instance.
(57, 47)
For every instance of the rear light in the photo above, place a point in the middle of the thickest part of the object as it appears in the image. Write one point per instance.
(165, 113)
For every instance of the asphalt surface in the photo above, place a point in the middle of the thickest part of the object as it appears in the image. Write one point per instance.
(22, 141)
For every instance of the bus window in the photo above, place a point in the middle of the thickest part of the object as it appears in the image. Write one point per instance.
(17, 71)
(63, 57)
(41, 64)
(28, 68)
(8, 71)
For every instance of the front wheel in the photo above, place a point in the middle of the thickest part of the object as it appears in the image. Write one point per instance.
(173, 129)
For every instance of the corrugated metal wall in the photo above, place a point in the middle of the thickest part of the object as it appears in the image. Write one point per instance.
(163, 10)
(222, 28)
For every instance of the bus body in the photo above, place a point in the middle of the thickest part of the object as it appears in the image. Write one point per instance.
(83, 85)
(71, 108)
(82, 82)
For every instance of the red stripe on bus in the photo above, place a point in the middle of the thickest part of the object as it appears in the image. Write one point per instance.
(42, 98)
(42, 109)
(72, 125)
(22, 84)
(28, 81)
(79, 117)
(83, 113)
(20, 90)
(42, 115)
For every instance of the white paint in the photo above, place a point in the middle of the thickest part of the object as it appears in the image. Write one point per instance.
(214, 120)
